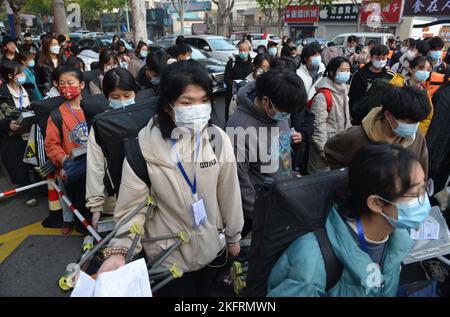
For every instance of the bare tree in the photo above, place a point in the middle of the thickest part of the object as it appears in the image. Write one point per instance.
(180, 7)
(224, 8)
(139, 14)
(59, 12)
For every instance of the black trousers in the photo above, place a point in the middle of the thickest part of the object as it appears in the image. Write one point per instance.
(76, 192)
(228, 96)
(195, 284)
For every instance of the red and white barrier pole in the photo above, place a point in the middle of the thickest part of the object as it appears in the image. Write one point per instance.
(85, 223)
(22, 189)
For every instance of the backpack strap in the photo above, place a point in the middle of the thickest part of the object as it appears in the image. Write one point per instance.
(58, 121)
(328, 98)
(333, 266)
(136, 159)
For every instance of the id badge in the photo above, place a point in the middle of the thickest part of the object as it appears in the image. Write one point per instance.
(199, 212)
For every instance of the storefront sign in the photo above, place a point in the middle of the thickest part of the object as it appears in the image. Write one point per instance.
(302, 14)
(339, 13)
(429, 8)
(372, 13)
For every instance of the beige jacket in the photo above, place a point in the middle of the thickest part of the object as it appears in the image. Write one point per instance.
(327, 124)
(217, 184)
(96, 195)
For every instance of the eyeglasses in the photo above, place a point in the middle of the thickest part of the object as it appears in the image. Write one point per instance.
(427, 189)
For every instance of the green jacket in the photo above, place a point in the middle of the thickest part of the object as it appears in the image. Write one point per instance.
(300, 270)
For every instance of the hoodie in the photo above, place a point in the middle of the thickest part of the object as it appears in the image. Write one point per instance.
(327, 124)
(252, 172)
(340, 149)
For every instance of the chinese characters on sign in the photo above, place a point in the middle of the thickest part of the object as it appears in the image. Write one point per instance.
(339, 13)
(427, 8)
(302, 14)
(391, 13)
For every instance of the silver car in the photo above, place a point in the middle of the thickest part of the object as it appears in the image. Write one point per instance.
(217, 47)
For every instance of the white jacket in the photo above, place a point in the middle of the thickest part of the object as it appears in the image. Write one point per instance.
(303, 73)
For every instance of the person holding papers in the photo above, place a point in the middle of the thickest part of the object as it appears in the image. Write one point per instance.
(367, 229)
(196, 188)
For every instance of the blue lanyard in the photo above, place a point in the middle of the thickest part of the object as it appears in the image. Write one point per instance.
(83, 124)
(362, 239)
(20, 99)
(192, 185)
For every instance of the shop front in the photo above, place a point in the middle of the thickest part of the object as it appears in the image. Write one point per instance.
(302, 21)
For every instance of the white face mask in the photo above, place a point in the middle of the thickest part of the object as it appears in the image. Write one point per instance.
(194, 117)
(55, 49)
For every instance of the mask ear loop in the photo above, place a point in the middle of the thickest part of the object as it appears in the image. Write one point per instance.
(389, 219)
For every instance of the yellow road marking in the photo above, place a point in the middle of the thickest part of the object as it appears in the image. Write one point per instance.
(11, 240)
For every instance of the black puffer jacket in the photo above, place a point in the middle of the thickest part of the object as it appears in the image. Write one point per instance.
(303, 122)
(237, 69)
(438, 138)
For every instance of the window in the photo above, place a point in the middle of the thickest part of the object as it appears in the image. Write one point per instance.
(257, 37)
(368, 39)
(202, 44)
(219, 44)
(191, 41)
(339, 41)
(198, 55)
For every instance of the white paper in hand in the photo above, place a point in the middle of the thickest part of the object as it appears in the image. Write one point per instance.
(130, 280)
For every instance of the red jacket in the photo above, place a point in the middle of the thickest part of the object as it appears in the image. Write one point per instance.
(73, 135)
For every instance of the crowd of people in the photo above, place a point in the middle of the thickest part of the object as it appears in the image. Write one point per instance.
(370, 109)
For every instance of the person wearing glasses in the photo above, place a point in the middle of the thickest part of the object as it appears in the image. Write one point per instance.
(367, 228)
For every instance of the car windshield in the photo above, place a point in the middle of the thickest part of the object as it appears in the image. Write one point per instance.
(197, 54)
(221, 45)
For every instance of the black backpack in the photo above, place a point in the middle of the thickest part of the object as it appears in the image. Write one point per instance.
(113, 128)
(285, 210)
(372, 98)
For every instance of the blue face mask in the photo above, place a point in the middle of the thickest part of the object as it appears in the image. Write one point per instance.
(116, 104)
(279, 116)
(243, 55)
(273, 51)
(410, 214)
(21, 80)
(316, 60)
(342, 77)
(422, 75)
(143, 54)
(405, 130)
(436, 55)
(31, 63)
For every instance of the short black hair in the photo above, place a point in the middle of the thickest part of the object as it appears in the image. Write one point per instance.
(411, 42)
(372, 42)
(180, 49)
(391, 40)
(10, 68)
(285, 89)
(75, 62)
(105, 56)
(419, 60)
(422, 47)
(310, 50)
(75, 71)
(157, 61)
(119, 78)
(180, 39)
(406, 103)
(55, 74)
(174, 80)
(334, 65)
(260, 58)
(352, 38)
(436, 43)
(61, 38)
(271, 43)
(23, 55)
(367, 177)
(330, 44)
(7, 40)
(27, 35)
(283, 64)
(379, 50)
